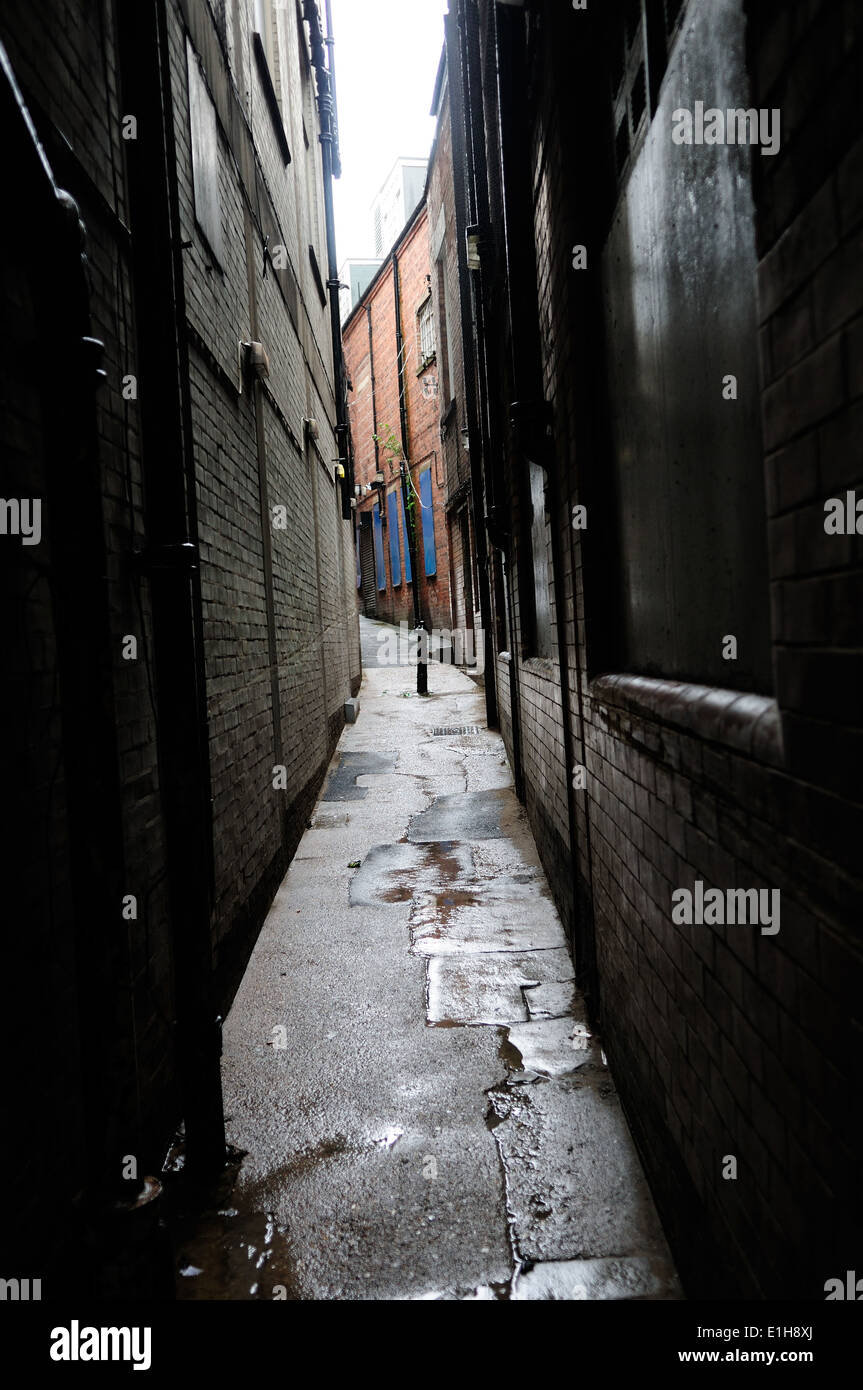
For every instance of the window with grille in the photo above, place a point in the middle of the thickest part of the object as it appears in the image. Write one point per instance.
(640, 37)
(425, 332)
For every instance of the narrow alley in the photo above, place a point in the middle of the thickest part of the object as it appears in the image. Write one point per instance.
(431, 577)
(424, 1111)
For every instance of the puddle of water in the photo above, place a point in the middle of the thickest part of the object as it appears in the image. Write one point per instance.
(552, 1047)
(461, 816)
(237, 1258)
(398, 872)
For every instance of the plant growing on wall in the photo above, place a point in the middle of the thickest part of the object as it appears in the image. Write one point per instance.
(386, 439)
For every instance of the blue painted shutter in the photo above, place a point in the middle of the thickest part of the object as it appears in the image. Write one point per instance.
(428, 521)
(393, 524)
(380, 566)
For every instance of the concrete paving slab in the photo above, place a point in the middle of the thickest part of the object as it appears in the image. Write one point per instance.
(457, 921)
(638, 1278)
(575, 1188)
(488, 988)
(402, 872)
(552, 1000)
(469, 816)
(552, 1047)
(342, 782)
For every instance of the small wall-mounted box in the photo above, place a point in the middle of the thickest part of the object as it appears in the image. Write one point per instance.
(255, 360)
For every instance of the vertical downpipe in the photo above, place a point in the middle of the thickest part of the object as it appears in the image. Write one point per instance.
(410, 512)
(530, 415)
(266, 534)
(332, 168)
(459, 101)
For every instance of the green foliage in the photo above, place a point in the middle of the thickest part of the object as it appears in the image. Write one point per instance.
(386, 439)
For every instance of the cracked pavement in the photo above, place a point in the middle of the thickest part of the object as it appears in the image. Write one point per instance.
(423, 1110)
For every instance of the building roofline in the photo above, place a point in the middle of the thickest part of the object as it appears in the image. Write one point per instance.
(402, 237)
(406, 160)
(438, 83)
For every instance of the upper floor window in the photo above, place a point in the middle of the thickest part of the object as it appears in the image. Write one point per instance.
(266, 49)
(205, 155)
(678, 274)
(265, 27)
(425, 332)
(538, 595)
(640, 37)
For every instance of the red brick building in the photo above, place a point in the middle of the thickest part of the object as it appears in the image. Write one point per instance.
(393, 399)
(467, 548)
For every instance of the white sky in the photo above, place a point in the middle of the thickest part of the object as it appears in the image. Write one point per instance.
(386, 56)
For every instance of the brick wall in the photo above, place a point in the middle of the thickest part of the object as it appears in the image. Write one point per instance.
(444, 273)
(79, 124)
(723, 1041)
(455, 457)
(306, 593)
(380, 416)
(279, 617)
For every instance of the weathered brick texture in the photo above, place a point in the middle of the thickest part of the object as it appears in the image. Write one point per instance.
(376, 414)
(723, 1040)
(296, 582)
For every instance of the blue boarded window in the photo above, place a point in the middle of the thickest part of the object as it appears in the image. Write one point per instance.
(408, 575)
(380, 564)
(428, 521)
(393, 524)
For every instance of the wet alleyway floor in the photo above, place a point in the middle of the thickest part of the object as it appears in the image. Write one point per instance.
(423, 1111)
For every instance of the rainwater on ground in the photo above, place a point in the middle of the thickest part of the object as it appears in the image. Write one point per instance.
(417, 1104)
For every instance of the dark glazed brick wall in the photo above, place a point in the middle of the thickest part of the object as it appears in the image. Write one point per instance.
(721, 1040)
(65, 58)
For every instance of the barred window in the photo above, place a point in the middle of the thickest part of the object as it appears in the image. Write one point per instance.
(425, 332)
(641, 34)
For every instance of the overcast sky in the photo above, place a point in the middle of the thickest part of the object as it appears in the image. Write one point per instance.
(387, 55)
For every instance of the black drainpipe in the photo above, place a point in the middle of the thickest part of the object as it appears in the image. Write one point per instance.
(380, 486)
(374, 390)
(459, 100)
(171, 565)
(530, 413)
(410, 512)
(332, 164)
